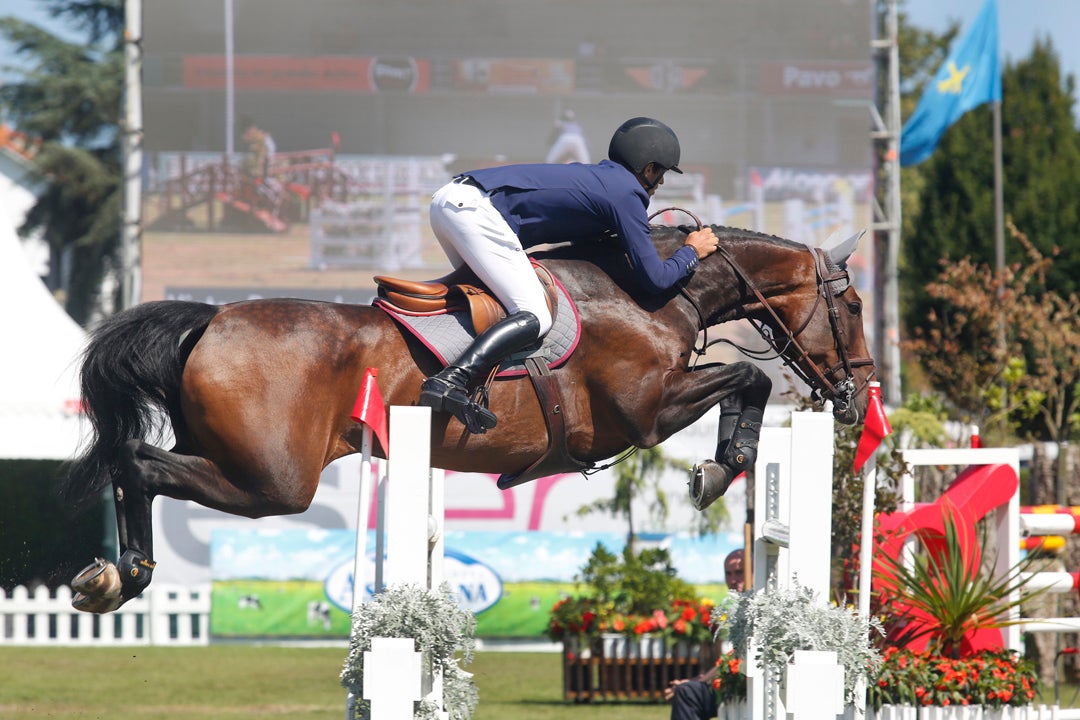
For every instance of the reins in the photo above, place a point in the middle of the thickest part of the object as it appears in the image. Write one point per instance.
(702, 323)
(790, 351)
(822, 387)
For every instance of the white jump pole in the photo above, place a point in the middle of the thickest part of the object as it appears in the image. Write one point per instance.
(408, 486)
(792, 529)
(409, 545)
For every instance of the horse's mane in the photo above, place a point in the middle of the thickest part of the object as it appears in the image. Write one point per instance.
(664, 237)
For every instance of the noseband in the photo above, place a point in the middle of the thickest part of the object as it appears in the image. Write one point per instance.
(790, 350)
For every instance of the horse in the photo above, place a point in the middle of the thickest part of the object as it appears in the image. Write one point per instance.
(259, 393)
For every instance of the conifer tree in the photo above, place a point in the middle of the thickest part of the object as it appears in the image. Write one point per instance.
(68, 94)
(954, 214)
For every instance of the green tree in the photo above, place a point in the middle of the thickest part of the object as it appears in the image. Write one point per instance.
(1026, 387)
(638, 476)
(68, 94)
(953, 217)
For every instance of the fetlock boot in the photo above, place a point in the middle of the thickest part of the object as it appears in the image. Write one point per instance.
(709, 480)
(741, 453)
(448, 390)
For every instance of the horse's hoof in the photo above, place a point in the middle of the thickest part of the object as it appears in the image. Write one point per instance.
(98, 579)
(708, 481)
(96, 604)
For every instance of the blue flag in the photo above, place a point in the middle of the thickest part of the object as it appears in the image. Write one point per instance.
(969, 77)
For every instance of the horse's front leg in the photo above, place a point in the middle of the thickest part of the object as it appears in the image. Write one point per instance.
(741, 389)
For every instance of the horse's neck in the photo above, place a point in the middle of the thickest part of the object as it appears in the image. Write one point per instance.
(770, 267)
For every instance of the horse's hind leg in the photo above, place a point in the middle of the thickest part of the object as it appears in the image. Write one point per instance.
(148, 471)
(103, 587)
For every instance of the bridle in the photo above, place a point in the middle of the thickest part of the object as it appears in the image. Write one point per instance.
(791, 351)
(788, 348)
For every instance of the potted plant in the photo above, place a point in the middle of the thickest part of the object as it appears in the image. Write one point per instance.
(771, 626)
(632, 611)
(443, 633)
(938, 608)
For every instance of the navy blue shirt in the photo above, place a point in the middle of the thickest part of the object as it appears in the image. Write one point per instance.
(573, 202)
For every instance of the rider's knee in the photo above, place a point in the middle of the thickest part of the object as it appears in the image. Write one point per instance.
(543, 315)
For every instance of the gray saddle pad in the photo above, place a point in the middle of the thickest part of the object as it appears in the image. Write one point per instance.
(448, 334)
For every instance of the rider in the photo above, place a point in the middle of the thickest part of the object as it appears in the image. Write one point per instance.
(486, 218)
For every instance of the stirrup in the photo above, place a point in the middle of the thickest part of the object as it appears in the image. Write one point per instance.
(444, 396)
(709, 480)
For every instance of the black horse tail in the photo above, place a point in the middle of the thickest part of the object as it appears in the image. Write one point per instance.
(130, 381)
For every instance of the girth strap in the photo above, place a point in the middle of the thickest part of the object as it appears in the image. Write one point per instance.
(556, 458)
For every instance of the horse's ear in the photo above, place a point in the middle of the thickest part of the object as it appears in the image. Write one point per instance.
(841, 251)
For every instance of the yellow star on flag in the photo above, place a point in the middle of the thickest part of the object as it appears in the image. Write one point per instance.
(955, 82)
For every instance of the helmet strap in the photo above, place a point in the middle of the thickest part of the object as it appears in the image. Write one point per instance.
(645, 180)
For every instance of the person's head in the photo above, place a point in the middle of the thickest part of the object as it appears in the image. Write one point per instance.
(733, 570)
(249, 131)
(646, 147)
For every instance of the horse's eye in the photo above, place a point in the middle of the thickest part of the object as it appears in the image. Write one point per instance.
(855, 308)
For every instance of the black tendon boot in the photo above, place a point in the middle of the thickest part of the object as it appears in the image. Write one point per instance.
(448, 390)
(741, 454)
(712, 478)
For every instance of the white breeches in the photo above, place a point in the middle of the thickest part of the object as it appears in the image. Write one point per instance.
(472, 232)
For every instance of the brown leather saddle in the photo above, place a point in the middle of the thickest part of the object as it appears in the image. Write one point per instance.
(462, 290)
(459, 291)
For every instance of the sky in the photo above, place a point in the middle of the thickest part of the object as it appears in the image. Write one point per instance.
(1020, 23)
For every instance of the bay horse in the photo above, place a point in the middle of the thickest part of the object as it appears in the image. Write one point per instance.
(259, 393)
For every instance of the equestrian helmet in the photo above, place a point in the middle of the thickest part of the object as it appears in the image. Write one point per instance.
(640, 141)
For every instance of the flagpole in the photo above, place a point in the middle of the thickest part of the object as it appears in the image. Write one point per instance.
(999, 192)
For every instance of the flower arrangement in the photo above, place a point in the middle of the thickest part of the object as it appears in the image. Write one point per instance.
(993, 679)
(634, 595)
(785, 620)
(729, 681)
(443, 632)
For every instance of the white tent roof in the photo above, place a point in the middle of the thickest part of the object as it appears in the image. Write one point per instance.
(39, 349)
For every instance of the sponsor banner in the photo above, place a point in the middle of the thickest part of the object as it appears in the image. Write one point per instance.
(817, 78)
(320, 73)
(299, 583)
(514, 76)
(668, 76)
(811, 184)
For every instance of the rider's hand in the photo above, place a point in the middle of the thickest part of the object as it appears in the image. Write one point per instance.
(703, 241)
(669, 691)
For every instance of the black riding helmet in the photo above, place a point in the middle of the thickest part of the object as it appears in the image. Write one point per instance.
(640, 141)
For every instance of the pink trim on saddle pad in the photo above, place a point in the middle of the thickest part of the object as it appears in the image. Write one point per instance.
(446, 334)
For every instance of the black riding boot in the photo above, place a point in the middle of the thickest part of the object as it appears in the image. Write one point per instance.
(448, 390)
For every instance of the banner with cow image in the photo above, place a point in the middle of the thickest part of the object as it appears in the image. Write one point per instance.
(298, 583)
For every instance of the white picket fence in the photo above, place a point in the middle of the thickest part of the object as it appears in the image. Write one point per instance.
(163, 615)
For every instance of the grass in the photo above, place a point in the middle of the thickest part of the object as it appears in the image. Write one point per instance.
(223, 682)
(233, 682)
